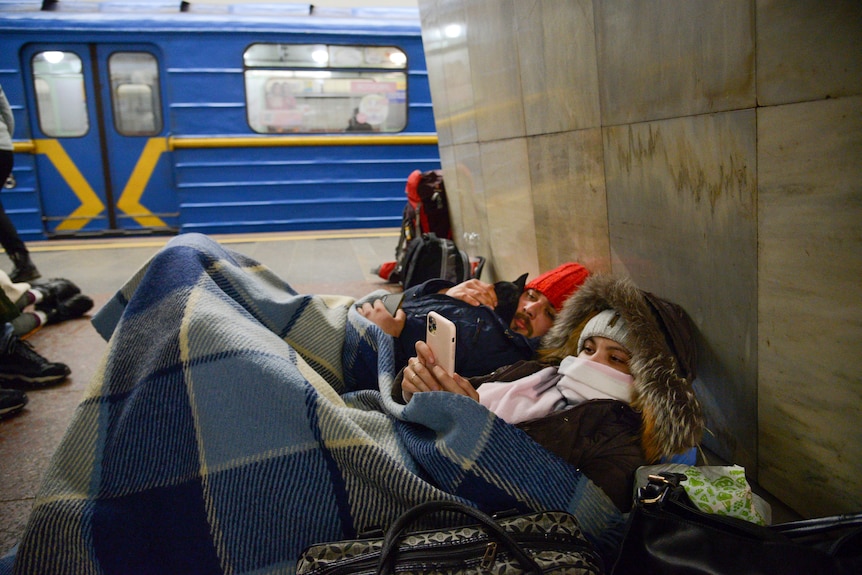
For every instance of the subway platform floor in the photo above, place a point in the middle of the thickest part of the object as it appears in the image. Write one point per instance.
(337, 262)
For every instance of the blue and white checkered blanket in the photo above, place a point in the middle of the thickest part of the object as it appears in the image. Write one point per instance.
(234, 422)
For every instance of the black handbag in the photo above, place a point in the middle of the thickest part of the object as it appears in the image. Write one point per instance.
(544, 542)
(666, 533)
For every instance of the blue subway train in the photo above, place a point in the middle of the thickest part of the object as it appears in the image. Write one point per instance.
(143, 120)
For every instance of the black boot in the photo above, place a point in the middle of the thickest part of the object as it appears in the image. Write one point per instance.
(25, 270)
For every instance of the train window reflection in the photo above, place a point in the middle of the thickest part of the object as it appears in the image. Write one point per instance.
(61, 100)
(313, 88)
(324, 56)
(135, 93)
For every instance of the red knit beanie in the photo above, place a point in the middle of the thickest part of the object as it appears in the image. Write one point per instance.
(559, 283)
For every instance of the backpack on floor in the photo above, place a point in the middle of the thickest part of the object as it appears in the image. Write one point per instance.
(431, 257)
(426, 211)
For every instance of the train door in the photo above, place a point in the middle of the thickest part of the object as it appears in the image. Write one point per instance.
(100, 139)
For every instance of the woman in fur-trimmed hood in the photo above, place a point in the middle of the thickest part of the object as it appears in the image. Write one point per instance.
(662, 358)
(605, 431)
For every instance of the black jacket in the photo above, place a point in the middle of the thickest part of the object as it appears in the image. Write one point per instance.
(484, 340)
(599, 437)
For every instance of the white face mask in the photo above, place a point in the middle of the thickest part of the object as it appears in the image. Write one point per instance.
(584, 380)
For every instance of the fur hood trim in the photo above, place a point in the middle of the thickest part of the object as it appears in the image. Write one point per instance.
(672, 420)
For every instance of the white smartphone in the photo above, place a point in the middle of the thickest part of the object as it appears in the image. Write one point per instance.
(440, 337)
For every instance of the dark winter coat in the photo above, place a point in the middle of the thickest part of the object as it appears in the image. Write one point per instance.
(484, 340)
(599, 437)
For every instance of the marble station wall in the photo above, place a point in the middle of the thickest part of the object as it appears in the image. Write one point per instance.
(710, 150)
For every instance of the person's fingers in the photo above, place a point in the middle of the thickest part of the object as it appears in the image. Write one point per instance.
(422, 378)
(474, 292)
(424, 353)
(453, 383)
(418, 382)
(466, 387)
(484, 294)
(407, 386)
(409, 381)
(418, 377)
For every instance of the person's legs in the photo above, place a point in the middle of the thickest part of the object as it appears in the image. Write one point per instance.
(27, 323)
(8, 309)
(59, 300)
(10, 240)
(55, 300)
(24, 270)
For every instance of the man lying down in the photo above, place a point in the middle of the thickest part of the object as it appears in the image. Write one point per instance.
(234, 422)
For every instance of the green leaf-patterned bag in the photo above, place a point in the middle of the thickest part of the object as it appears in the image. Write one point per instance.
(719, 489)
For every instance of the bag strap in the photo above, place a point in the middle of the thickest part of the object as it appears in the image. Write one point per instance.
(393, 534)
(817, 525)
(447, 249)
(477, 273)
(413, 253)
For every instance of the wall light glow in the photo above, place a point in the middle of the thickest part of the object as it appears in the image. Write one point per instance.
(452, 30)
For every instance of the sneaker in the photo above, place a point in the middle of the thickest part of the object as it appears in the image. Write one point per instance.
(55, 290)
(72, 308)
(11, 402)
(21, 367)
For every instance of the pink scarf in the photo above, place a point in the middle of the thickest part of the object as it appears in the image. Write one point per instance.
(554, 389)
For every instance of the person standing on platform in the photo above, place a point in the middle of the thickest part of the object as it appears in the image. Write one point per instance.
(25, 270)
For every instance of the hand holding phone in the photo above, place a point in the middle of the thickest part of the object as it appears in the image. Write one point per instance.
(440, 335)
(384, 313)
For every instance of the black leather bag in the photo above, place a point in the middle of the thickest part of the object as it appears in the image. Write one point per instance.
(544, 542)
(666, 533)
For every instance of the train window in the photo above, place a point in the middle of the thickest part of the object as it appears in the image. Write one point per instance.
(61, 100)
(306, 88)
(135, 93)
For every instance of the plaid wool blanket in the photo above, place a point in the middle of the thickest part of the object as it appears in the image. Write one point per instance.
(234, 422)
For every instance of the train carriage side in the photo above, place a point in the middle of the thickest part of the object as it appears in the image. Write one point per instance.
(191, 123)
